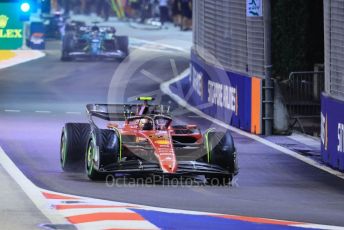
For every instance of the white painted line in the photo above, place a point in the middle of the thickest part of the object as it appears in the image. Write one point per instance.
(41, 111)
(21, 56)
(136, 40)
(82, 211)
(153, 49)
(118, 224)
(12, 111)
(165, 87)
(75, 113)
(31, 190)
(318, 226)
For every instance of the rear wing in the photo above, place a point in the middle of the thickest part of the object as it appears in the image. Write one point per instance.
(109, 112)
(121, 112)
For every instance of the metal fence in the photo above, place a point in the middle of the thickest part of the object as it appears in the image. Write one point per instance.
(305, 87)
(234, 40)
(334, 48)
(302, 99)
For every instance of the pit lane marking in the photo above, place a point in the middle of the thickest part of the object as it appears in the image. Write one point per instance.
(158, 46)
(42, 111)
(74, 113)
(12, 111)
(152, 49)
(39, 111)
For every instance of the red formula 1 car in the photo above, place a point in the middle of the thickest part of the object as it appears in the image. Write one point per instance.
(142, 140)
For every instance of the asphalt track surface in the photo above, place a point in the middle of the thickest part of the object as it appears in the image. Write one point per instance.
(38, 97)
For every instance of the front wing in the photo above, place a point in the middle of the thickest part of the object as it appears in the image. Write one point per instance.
(102, 54)
(137, 167)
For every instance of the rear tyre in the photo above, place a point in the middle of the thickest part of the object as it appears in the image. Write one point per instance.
(221, 151)
(102, 150)
(67, 46)
(73, 143)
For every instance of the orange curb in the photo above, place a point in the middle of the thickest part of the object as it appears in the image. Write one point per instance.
(52, 196)
(104, 216)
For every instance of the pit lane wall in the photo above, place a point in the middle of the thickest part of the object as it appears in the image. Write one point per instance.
(332, 132)
(332, 102)
(233, 98)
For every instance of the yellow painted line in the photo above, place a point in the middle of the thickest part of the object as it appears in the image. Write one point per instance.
(6, 54)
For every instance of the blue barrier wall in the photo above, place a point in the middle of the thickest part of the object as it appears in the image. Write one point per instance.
(332, 132)
(226, 96)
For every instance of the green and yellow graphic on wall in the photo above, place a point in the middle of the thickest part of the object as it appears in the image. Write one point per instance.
(11, 28)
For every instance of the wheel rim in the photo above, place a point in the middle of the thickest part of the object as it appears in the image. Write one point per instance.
(63, 149)
(90, 155)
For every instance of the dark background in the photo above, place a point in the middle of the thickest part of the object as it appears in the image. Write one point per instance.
(297, 35)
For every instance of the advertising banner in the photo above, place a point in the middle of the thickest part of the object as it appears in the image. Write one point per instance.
(332, 132)
(230, 97)
(11, 28)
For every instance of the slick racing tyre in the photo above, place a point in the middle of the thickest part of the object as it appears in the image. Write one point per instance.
(74, 139)
(123, 45)
(221, 151)
(67, 46)
(103, 149)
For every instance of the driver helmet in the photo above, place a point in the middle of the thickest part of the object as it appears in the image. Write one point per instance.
(146, 124)
(95, 29)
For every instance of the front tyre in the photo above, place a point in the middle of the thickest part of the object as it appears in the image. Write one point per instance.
(123, 45)
(92, 156)
(67, 46)
(221, 151)
(103, 149)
